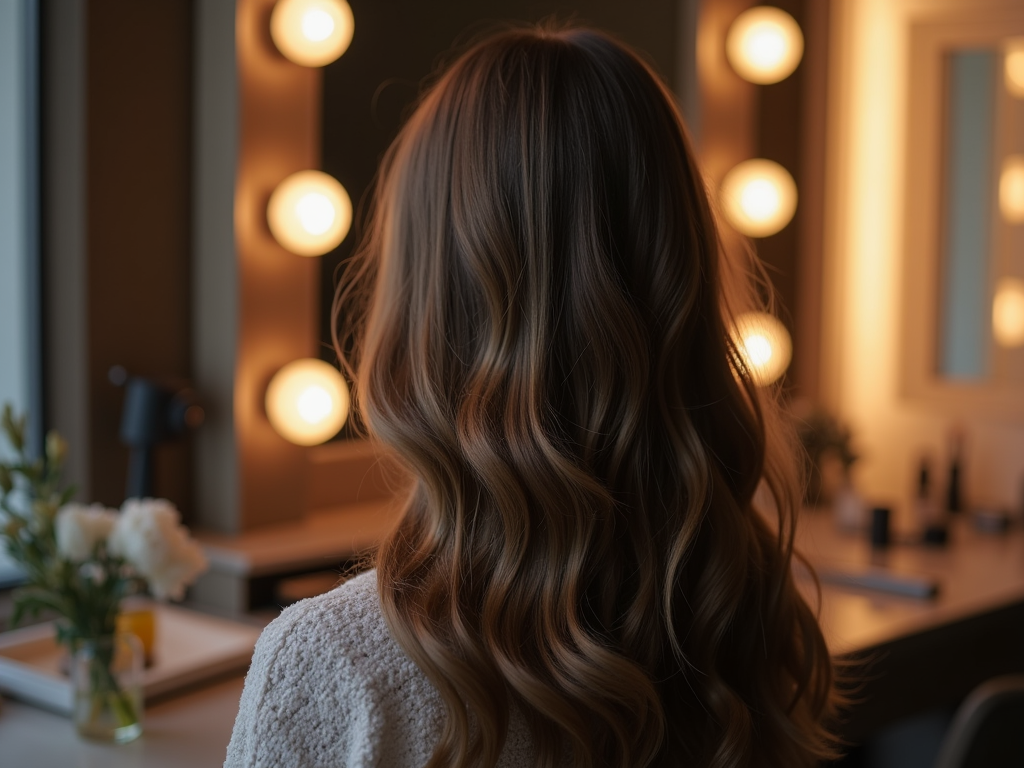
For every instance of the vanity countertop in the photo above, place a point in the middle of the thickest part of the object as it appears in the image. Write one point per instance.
(190, 730)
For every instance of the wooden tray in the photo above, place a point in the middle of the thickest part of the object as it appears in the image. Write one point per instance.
(189, 647)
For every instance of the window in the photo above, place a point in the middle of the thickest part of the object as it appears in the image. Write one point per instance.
(19, 252)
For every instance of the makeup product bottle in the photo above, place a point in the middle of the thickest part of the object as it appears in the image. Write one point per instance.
(954, 488)
(930, 518)
(880, 536)
(924, 505)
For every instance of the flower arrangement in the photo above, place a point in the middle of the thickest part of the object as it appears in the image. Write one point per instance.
(82, 561)
(828, 451)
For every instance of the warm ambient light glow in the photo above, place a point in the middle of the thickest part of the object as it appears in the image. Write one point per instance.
(309, 213)
(765, 346)
(1008, 313)
(758, 197)
(307, 402)
(764, 44)
(312, 32)
(1011, 189)
(1013, 67)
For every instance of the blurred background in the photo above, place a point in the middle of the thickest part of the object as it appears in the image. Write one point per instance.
(180, 181)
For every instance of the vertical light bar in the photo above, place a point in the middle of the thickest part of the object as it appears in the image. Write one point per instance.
(964, 342)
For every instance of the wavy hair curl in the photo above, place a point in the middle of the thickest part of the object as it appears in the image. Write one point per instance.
(538, 320)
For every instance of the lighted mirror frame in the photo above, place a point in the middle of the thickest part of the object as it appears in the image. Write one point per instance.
(925, 189)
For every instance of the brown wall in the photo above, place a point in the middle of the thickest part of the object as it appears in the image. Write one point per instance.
(132, 284)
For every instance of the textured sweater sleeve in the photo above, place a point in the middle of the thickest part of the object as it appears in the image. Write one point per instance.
(330, 688)
(306, 703)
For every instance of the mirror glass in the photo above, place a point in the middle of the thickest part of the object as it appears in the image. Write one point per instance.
(981, 307)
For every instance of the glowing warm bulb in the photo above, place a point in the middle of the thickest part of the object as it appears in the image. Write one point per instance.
(1013, 67)
(1008, 312)
(317, 25)
(307, 401)
(764, 344)
(758, 197)
(314, 404)
(764, 44)
(758, 349)
(312, 32)
(1011, 189)
(315, 213)
(309, 213)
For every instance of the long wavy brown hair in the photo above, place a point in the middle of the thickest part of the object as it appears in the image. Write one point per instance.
(537, 325)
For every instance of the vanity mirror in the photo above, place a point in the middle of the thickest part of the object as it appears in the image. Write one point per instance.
(964, 237)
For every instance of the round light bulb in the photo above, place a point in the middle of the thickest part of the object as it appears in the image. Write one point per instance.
(764, 44)
(317, 25)
(309, 213)
(764, 344)
(312, 32)
(307, 401)
(758, 197)
(1011, 189)
(758, 349)
(1008, 312)
(1013, 67)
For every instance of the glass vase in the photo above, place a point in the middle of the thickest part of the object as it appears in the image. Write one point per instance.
(106, 673)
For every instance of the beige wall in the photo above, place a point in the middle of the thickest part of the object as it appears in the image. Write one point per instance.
(864, 268)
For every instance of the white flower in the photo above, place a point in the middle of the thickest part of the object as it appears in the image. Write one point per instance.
(79, 528)
(149, 536)
(93, 572)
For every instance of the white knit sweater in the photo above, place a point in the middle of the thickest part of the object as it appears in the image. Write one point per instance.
(330, 688)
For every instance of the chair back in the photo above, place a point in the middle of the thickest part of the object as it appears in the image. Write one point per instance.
(988, 729)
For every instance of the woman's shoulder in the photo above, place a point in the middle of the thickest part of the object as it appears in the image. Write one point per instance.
(343, 635)
(345, 620)
(327, 681)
